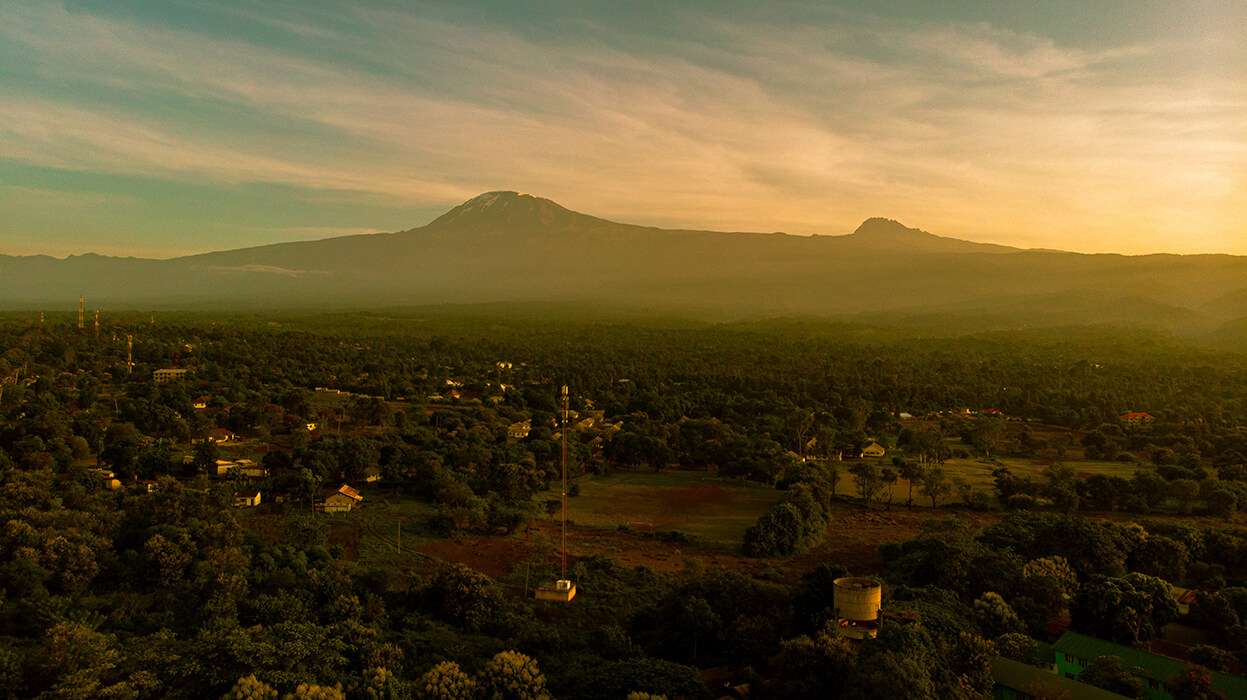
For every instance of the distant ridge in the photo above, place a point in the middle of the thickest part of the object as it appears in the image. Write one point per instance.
(893, 234)
(508, 247)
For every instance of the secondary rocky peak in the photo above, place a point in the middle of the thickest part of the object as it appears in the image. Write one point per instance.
(880, 227)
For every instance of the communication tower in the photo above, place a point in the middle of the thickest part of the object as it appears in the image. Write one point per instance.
(82, 310)
(563, 589)
(129, 354)
(97, 324)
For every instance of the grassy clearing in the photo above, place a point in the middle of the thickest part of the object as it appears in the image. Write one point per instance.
(379, 522)
(978, 473)
(712, 510)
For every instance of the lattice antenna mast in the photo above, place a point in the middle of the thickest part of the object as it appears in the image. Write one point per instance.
(82, 310)
(97, 324)
(564, 436)
(129, 354)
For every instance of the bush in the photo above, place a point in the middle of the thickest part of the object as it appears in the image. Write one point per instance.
(1212, 657)
(1020, 501)
(464, 596)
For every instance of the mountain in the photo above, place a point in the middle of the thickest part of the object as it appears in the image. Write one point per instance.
(509, 247)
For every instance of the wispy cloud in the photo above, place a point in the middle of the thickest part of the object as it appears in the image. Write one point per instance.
(961, 128)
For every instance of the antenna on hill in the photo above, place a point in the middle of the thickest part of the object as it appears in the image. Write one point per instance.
(97, 324)
(82, 310)
(129, 354)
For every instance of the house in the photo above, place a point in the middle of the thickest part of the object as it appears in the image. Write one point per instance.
(240, 467)
(341, 501)
(1183, 597)
(200, 403)
(372, 475)
(168, 374)
(108, 478)
(1137, 417)
(246, 499)
(1074, 652)
(311, 427)
(220, 436)
(874, 450)
(1015, 680)
(145, 485)
(520, 430)
(250, 469)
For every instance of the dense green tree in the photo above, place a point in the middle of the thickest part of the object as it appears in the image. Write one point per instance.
(446, 681)
(936, 485)
(1111, 674)
(1128, 610)
(510, 675)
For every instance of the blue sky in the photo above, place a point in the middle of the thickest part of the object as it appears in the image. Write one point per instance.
(162, 128)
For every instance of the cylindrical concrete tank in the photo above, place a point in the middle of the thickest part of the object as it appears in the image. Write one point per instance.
(858, 598)
(858, 601)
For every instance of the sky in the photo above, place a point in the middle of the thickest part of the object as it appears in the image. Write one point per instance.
(158, 129)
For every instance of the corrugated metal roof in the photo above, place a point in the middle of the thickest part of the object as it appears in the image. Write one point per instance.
(1159, 668)
(1040, 683)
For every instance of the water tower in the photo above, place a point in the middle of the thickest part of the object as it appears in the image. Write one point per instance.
(859, 604)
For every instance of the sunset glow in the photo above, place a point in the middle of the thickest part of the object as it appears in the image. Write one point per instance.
(157, 132)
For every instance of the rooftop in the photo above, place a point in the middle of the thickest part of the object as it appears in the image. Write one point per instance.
(1159, 668)
(1037, 682)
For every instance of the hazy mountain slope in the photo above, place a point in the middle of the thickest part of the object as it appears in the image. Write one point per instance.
(502, 246)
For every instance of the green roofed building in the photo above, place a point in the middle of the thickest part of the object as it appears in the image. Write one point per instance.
(1018, 681)
(1074, 652)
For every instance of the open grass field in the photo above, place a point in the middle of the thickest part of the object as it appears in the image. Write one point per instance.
(713, 511)
(978, 473)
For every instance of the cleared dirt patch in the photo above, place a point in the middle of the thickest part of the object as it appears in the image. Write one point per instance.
(495, 556)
